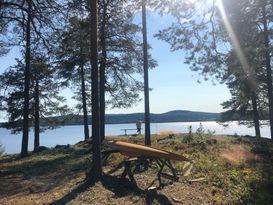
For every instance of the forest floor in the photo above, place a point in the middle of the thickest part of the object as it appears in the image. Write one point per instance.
(226, 170)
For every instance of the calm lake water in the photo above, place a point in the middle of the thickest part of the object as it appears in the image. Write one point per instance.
(74, 134)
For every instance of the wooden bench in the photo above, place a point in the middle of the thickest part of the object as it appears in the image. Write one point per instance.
(125, 130)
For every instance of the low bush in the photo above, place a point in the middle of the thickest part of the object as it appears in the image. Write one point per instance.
(201, 138)
(188, 137)
(2, 150)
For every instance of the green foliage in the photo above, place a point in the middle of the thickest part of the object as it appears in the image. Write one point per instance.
(120, 51)
(12, 94)
(73, 56)
(201, 138)
(233, 54)
(46, 17)
(245, 84)
(5, 47)
(189, 136)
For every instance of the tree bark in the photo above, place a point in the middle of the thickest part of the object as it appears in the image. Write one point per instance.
(96, 172)
(84, 106)
(146, 77)
(268, 70)
(24, 148)
(255, 115)
(83, 92)
(102, 71)
(36, 116)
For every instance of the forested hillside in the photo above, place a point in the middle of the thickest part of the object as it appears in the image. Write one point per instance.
(172, 116)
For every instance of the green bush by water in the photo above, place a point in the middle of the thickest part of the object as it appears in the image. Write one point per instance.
(2, 150)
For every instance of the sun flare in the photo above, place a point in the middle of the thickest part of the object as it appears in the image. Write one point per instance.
(235, 42)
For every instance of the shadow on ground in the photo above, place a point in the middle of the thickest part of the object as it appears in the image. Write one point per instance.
(40, 172)
(120, 188)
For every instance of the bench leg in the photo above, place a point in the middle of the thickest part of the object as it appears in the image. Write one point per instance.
(161, 164)
(169, 164)
(127, 171)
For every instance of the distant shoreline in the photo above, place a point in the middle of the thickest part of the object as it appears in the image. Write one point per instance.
(143, 122)
(171, 116)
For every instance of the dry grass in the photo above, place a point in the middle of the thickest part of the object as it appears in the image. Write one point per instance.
(166, 132)
(238, 154)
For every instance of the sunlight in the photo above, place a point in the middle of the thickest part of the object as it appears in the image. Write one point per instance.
(241, 56)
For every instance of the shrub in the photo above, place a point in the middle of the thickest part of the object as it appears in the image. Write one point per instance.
(189, 137)
(200, 138)
(2, 150)
(262, 147)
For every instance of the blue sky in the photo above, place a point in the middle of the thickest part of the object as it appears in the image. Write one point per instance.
(174, 85)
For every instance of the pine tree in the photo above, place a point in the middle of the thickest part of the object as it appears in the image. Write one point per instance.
(44, 98)
(120, 54)
(74, 65)
(26, 20)
(217, 35)
(96, 171)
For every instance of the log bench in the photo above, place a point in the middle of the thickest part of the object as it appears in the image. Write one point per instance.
(125, 130)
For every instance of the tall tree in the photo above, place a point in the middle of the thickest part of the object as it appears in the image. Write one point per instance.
(244, 102)
(96, 171)
(120, 56)
(24, 150)
(103, 35)
(210, 35)
(73, 64)
(36, 20)
(44, 99)
(146, 76)
(267, 58)
(244, 79)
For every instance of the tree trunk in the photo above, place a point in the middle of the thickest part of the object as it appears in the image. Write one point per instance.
(146, 77)
(83, 91)
(24, 148)
(96, 172)
(85, 115)
(268, 70)
(255, 115)
(36, 116)
(102, 72)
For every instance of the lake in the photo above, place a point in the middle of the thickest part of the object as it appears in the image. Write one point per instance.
(74, 134)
